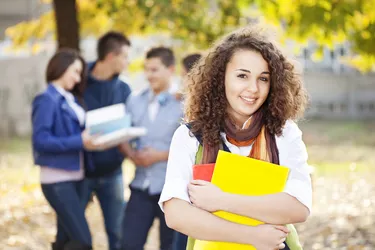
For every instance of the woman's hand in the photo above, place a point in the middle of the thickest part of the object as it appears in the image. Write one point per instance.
(270, 237)
(206, 195)
(88, 142)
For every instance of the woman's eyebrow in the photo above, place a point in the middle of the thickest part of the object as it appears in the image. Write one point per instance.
(248, 71)
(244, 70)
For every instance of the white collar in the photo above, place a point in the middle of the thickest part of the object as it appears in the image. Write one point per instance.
(69, 96)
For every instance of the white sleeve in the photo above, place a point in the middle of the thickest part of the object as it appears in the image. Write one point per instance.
(179, 169)
(293, 154)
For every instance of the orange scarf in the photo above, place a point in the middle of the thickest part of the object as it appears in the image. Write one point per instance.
(254, 133)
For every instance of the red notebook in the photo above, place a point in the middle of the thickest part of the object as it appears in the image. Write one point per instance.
(203, 171)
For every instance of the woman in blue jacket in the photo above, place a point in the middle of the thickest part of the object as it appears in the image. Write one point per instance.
(59, 142)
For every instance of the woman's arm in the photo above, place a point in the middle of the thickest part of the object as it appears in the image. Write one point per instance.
(199, 224)
(278, 208)
(203, 225)
(291, 206)
(42, 121)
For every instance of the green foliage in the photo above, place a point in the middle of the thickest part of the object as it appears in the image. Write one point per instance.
(200, 22)
(328, 22)
(195, 21)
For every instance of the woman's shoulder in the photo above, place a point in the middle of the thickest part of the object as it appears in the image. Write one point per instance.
(184, 144)
(290, 143)
(43, 96)
(184, 135)
(47, 97)
(183, 132)
(290, 132)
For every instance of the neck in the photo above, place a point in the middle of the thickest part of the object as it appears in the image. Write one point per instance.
(250, 131)
(160, 90)
(238, 121)
(59, 84)
(102, 71)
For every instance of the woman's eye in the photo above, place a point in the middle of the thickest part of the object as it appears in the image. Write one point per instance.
(243, 76)
(264, 79)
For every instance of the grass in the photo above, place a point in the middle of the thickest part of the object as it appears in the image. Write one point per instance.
(340, 147)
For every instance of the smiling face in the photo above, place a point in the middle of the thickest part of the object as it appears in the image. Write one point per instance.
(158, 74)
(247, 84)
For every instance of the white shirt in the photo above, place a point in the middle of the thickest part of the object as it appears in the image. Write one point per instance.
(292, 154)
(53, 175)
(69, 97)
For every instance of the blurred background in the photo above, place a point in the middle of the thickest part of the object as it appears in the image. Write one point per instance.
(333, 42)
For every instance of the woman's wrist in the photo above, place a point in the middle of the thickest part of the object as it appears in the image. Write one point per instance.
(247, 235)
(223, 201)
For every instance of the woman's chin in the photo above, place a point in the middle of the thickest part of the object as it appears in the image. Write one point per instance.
(71, 87)
(248, 112)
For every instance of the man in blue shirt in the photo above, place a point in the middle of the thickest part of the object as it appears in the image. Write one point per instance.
(160, 113)
(104, 88)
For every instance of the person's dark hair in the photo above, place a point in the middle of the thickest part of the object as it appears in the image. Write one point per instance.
(189, 61)
(165, 55)
(112, 41)
(60, 62)
(206, 102)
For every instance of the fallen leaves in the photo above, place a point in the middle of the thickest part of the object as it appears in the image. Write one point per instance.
(343, 214)
(342, 218)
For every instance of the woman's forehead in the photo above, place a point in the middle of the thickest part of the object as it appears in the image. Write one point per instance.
(248, 60)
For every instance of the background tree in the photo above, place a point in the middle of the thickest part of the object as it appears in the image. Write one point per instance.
(66, 23)
(199, 22)
(327, 23)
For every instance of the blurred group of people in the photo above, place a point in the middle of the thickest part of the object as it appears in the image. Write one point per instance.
(241, 96)
(73, 167)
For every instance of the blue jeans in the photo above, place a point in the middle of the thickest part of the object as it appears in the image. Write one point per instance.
(110, 192)
(66, 199)
(141, 210)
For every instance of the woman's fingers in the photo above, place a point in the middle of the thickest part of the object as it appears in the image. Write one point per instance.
(199, 182)
(282, 228)
(281, 246)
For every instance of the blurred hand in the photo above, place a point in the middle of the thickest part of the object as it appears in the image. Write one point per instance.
(88, 142)
(147, 157)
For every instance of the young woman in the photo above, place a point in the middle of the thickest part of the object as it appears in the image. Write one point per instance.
(243, 96)
(59, 144)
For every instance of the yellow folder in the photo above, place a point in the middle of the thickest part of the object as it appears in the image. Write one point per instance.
(246, 176)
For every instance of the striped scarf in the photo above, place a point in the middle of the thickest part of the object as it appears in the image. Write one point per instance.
(254, 132)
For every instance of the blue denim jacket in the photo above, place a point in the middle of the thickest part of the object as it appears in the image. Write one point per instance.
(56, 133)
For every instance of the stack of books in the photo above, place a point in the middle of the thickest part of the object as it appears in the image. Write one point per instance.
(112, 125)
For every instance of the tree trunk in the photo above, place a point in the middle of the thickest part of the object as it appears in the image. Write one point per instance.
(66, 23)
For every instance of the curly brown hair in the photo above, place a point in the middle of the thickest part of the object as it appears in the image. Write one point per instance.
(206, 102)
